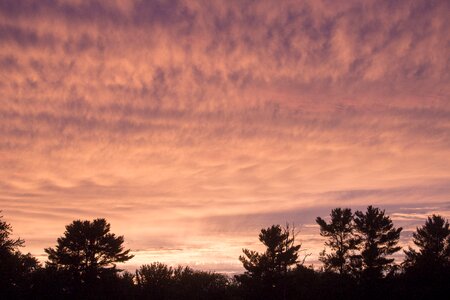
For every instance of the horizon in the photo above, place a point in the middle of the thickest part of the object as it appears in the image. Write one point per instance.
(308, 236)
(191, 125)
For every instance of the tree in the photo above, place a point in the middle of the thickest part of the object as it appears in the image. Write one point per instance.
(8, 245)
(340, 239)
(88, 251)
(266, 271)
(427, 268)
(154, 280)
(378, 238)
(159, 281)
(195, 284)
(433, 242)
(16, 269)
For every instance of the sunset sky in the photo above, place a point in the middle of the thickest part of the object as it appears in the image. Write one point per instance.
(191, 125)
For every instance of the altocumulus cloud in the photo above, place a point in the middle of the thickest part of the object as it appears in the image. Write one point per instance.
(161, 115)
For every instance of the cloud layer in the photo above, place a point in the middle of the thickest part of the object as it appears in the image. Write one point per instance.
(177, 120)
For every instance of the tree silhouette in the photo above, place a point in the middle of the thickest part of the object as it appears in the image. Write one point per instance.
(378, 238)
(7, 244)
(433, 242)
(266, 271)
(427, 268)
(340, 239)
(83, 265)
(159, 281)
(154, 280)
(16, 269)
(88, 251)
(198, 285)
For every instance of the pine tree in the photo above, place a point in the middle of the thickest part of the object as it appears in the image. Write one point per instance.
(433, 243)
(88, 250)
(341, 240)
(378, 237)
(266, 272)
(16, 268)
(7, 244)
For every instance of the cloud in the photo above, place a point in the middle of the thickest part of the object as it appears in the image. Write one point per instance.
(167, 114)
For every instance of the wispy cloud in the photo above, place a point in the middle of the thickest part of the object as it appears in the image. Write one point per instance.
(164, 114)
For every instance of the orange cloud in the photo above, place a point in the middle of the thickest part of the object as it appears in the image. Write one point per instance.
(169, 117)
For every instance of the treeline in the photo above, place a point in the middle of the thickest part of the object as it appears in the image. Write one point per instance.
(357, 263)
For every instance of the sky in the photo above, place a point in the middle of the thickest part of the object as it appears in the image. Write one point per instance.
(191, 125)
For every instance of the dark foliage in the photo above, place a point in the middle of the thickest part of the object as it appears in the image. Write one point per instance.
(427, 268)
(266, 273)
(86, 257)
(88, 250)
(433, 243)
(7, 244)
(16, 269)
(379, 238)
(83, 265)
(341, 241)
(159, 281)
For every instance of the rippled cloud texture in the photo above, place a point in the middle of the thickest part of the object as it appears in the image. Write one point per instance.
(190, 125)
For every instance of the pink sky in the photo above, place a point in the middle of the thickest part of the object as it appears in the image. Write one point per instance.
(190, 125)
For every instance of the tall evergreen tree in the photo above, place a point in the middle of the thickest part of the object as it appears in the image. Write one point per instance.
(16, 268)
(7, 244)
(341, 241)
(265, 271)
(433, 243)
(379, 238)
(88, 251)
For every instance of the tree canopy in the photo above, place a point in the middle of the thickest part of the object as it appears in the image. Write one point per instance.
(8, 244)
(379, 238)
(16, 268)
(341, 240)
(88, 250)
(159, 281)
(266, 271)
(433, 243)
(83, 265)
